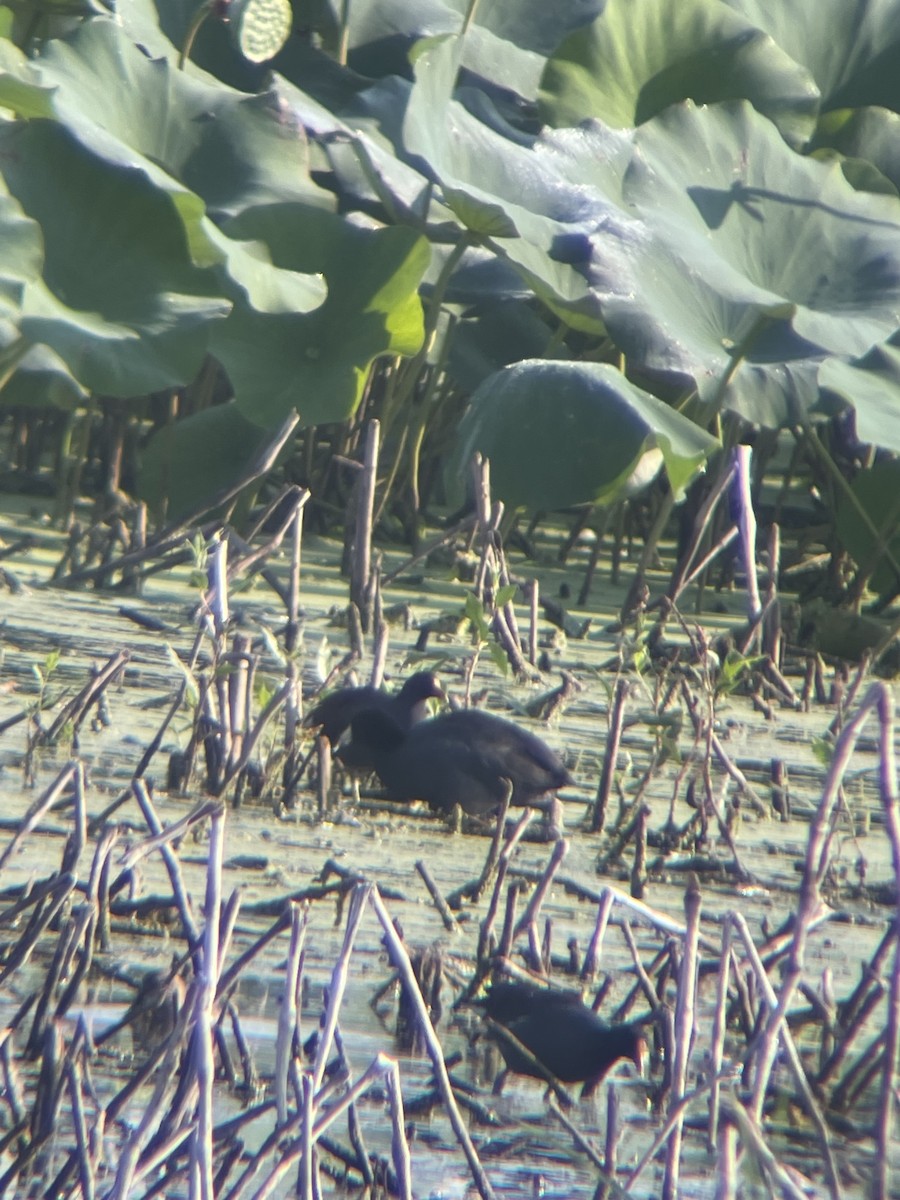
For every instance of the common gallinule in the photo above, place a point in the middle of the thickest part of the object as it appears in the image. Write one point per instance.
(566, 1037)
(335, 712)
(462, 757)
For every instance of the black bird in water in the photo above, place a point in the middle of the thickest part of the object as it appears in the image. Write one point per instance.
(462, 757)
(563, 1035)
(336, 711)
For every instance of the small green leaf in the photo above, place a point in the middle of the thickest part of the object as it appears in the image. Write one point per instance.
(192, 692)
(498, 654)
(505, 594)
(475, 614)
(823, 751)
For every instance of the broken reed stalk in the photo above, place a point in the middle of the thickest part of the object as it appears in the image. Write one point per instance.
(399, 1144)
(644, 980)
(741, 456)
(591, 962)
(338, 983)
(289, 1012)
(361, 564)
(611, 755)
(529, 916)
(717, 1039)
(202, 1052)
(402, 964)
(685, 1005)
(534, 596)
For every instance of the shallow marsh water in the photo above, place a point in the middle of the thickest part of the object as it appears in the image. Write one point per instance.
(268, 859)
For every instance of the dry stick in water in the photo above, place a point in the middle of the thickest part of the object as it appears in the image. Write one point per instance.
(82, 1141)
(173, 867)
(815, 866)
(400, 959)
(701, 523)
(241, 669)
(173, 536)
(779, 1177)
(726, 1161)
(684, 1031)
(639, 866)
(716, 745)
(290, 1153)
(170, 1052)
(48, 899)
(37, 810)
(793, 1055)
(610, 758)
(79, 706)
(323, 776)
(251, 739)
(888, 781)
(78, 836)
(450, 922)
(308, 1166)
(486, 941)
(662, 1136)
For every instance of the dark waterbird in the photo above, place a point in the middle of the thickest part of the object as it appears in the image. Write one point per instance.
(335, 712)
(569, 1040)
(458, 758)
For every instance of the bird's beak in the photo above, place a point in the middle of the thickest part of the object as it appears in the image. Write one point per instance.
(641, 1055)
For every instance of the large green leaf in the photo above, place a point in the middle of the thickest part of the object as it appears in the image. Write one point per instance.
(21, 255)
(41, 378)
(120, 299)
(317, 362)
(539, 201)
(561, 433)
(639, 56)
(749, 249)
(871, 387)
(850, 47)
(864, 136)
(874, 509)
(232, 150)
(209, 147)
(506, 42)
(190, 460)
